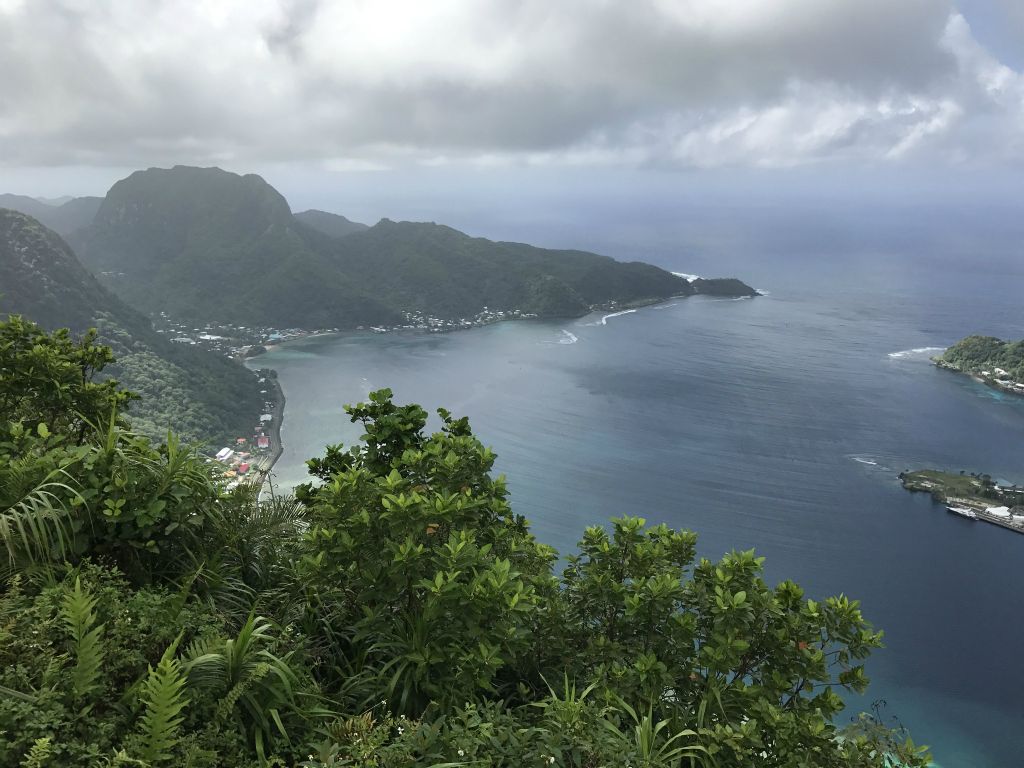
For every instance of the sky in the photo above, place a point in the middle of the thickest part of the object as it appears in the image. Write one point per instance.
(429, 106)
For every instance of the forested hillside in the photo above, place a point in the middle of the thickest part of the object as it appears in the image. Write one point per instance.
(64, 218)
(975, 354)
(197, 394)
(396, 614)
(202, 243)
(330, 223)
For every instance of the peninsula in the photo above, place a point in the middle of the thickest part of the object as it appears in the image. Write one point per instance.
(992, 361)
(206, 246)
(971, 496)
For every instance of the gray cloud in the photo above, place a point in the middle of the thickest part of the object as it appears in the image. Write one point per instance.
(359, 84)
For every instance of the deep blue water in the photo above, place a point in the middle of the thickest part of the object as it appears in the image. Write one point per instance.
(777, 423)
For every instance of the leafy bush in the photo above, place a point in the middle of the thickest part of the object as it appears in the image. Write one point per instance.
(395, 613)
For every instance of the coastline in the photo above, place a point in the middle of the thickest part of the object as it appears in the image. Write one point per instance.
(1011, 388)
(279, 400)
(276, 447)
(976, 494)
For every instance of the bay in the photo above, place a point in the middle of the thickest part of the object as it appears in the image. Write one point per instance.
(777, 423)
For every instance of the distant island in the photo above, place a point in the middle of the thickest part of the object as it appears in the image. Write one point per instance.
(992, 361)
(971, 496)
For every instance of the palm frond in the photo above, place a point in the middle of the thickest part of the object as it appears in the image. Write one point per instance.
(36, 527)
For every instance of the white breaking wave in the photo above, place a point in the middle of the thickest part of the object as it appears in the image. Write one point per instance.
(762, 292)
(604, 320)
(686, 276)
(567, 338)
(666, 306)
(870, 461)
(916, 352)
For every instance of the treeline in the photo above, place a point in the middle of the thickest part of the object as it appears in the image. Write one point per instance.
(396, 612)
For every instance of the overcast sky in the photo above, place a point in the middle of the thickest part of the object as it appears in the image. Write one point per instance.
(322, 92)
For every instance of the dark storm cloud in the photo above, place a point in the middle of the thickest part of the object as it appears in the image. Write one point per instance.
(365, 84)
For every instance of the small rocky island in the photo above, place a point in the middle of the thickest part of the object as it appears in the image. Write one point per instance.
(971, 496)
(992, 361)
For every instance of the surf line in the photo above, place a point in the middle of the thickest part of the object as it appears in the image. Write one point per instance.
(604, 320)
(916, 351)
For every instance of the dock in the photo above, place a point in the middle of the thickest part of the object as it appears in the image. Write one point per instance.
(1001, 505)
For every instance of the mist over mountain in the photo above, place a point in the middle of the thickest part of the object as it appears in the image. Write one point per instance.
(64, 215)
(197, 394)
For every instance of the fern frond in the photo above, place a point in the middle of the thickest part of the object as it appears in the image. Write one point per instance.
(78, 609)
(163, 695)
(40, 752)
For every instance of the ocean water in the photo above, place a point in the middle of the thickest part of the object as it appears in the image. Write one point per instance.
(778, 423)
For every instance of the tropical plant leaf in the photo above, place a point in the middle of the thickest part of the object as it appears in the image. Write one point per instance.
(78, 610)
(163, 695)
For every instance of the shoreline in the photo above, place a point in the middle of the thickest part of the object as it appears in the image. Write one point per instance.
(976, 493)
(1013, 388)
(276, 446)
(279, 400)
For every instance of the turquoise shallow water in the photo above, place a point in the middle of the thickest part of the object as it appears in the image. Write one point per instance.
(778, 423)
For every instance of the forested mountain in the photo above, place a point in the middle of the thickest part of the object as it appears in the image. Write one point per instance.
(201, 243)
(198, 394)
(205, 244)
(330, 223)
(63, 216)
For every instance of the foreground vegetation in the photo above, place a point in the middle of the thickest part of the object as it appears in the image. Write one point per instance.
(396, 612)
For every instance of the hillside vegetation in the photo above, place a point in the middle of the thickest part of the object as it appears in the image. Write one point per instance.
(396, 613)
(202, 243)
(197, 394)
(64, 218)
(976, 354)
(329, 223)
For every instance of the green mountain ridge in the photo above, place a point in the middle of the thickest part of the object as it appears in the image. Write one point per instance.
(205, 244)
(198, 394)
(63, 215)
(331, 224)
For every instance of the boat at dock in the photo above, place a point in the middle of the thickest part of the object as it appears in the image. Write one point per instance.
(967, 512)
